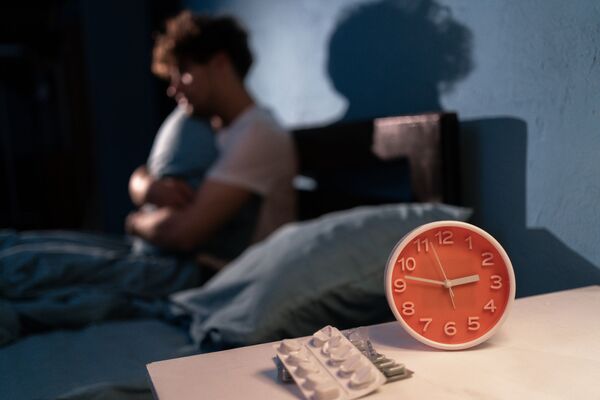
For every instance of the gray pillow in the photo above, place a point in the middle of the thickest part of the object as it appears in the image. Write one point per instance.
(184, 147)
(305, 276)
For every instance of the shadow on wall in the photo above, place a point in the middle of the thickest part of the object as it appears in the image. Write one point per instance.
(391, 57)
(396, 57)
(493, 174)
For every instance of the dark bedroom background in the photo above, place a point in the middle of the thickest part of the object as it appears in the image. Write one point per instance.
(78, 109)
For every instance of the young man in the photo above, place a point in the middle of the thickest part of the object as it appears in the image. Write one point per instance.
(206, 60)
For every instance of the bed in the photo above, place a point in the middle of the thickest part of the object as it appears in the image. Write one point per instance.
(362, 186)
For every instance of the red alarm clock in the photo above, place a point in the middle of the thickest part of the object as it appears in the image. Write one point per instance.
(450, 284)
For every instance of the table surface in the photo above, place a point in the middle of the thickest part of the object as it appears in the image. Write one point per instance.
(548, 348)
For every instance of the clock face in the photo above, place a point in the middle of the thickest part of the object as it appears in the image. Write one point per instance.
(450, 284)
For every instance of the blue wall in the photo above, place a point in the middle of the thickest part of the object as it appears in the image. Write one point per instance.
(524, 77)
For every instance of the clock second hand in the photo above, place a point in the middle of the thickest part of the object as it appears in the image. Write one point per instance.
(446, 280)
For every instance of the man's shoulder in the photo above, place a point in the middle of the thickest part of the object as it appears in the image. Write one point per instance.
(262, 122)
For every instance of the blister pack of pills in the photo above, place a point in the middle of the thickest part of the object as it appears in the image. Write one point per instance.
(328, 366)
(392, 370)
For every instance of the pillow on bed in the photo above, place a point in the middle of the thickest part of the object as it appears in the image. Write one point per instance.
(306, 275)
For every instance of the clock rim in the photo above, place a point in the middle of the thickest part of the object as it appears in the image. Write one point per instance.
(406, 239)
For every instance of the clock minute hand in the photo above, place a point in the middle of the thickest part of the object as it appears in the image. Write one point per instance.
(416, 278)
(446, 280)
(464, 280)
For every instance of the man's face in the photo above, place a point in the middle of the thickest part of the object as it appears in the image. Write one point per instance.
(192, 87)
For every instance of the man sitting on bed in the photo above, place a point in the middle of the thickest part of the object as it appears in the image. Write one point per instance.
(206, 60)
(51, 280)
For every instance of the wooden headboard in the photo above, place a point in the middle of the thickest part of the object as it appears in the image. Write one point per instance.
(410, 158)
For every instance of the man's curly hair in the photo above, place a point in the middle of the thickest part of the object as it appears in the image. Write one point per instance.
(197, 38)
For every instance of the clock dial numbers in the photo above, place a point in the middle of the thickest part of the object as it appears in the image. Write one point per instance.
(490, 306)
(450, 328)
(487, 259)
(425, 321)
(469, 241)
(408, 308)
(473, 324)
(496, 282)
(422, 244)
(444, 238)
(399, 285)
(407, 264)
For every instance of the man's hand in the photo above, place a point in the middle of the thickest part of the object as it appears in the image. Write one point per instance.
(165, 192)
(147, 224)
(169, 192)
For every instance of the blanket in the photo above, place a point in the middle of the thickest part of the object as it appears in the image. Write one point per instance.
(59, 279)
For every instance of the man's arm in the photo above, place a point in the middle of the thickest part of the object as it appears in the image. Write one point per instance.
(164, 192)
(186, 228)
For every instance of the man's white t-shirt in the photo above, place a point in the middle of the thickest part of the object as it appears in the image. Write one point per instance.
(258, 155)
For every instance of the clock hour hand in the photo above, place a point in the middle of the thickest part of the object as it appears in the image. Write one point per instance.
(464, 280)
(416, 278)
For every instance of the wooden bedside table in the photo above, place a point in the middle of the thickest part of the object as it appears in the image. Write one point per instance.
(549, 348)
